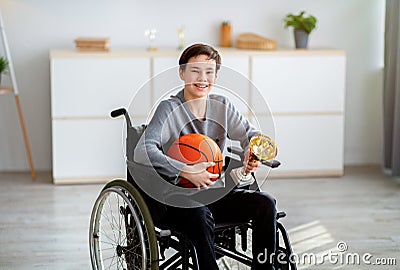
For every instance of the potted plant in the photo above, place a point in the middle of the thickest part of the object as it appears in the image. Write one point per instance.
(302, 25)
(3, 66)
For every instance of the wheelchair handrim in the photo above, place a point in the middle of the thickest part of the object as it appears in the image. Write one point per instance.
(95, 250)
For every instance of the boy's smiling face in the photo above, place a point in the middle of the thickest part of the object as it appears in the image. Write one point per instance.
(199, 75)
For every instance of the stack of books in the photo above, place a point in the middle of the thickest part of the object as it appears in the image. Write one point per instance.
(92, 44)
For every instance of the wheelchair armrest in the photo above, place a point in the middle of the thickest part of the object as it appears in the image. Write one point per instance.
(236, 150)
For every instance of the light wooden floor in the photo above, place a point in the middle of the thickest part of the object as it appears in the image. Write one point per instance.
(43, 226)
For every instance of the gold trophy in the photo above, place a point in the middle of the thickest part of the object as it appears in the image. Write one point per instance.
(262, 148)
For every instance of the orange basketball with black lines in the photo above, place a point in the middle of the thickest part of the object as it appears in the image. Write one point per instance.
(195, 148)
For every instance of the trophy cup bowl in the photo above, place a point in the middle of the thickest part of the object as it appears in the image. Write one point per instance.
(262, 148)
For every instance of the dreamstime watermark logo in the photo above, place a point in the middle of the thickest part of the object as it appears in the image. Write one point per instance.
(339, 256)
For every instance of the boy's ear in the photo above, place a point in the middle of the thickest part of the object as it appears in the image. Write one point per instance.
(181, 73)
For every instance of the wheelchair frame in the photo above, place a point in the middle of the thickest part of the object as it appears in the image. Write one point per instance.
(122, 234)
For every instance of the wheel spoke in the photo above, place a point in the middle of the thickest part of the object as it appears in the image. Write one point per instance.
(108, 237)
(112, 218)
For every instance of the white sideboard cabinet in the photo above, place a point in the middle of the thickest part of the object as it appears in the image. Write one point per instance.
(87, 145)
(306, 94)
(304, 89)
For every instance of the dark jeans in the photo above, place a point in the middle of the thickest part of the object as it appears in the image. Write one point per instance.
(238, 206)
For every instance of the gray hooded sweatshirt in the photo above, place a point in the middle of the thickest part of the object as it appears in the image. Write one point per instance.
(173, 118)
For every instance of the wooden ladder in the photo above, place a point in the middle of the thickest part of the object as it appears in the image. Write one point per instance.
(14, 90)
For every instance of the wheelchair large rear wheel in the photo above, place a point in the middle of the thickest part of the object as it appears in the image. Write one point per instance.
(122, 234)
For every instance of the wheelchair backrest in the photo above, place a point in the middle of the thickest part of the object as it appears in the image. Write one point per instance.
(132, 139)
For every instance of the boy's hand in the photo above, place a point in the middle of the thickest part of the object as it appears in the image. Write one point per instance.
(198, 174)
(250, 166)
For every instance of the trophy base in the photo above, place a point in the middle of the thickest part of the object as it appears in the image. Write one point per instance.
(240, 178)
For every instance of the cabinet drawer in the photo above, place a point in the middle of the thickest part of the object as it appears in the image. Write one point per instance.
(88, 149)
(299, 83)
(90, 87)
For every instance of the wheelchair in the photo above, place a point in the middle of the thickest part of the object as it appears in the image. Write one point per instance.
(123, 235)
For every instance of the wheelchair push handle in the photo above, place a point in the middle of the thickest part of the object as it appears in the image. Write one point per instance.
(272, 163)
(122, 111)
(118, 112)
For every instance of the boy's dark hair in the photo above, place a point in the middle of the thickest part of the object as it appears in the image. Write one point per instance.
(199, 49)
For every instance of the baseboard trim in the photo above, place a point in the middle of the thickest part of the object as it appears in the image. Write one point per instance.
(83, 180)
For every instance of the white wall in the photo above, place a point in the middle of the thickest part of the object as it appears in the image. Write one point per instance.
(35, 27)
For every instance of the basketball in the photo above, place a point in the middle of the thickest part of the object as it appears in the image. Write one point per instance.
(195, 148)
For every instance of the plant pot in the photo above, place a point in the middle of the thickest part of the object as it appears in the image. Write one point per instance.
(301, 39)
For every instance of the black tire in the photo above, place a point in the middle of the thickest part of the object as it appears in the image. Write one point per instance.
(122, 233)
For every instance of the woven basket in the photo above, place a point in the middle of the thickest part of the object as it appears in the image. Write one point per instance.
(92, 44)
(252, 41)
